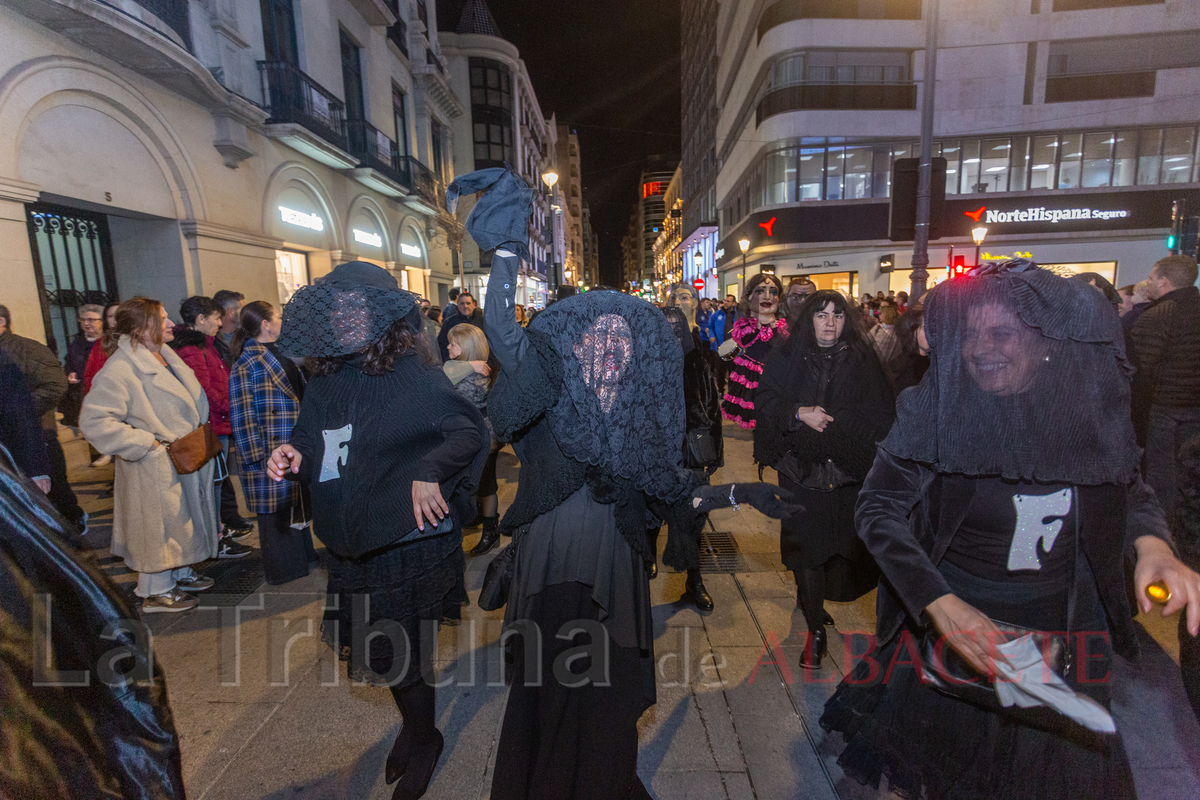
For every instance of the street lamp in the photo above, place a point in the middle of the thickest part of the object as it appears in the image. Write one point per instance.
(698, 260)
(977, 234)
(744, 243)
(550, 177)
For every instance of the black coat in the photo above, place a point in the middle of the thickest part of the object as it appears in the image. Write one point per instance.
(43, 374)
(907, 515)
(703, 405)
(448, 324)
(20, 429)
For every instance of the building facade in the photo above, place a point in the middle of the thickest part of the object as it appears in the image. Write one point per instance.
(179, 147)
(668, 247)
(591, 250)
(1068, 126)
(503, 125)
(572, 205)
(699, 139)
(646, 221)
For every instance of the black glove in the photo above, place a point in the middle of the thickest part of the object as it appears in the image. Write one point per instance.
(767, 498)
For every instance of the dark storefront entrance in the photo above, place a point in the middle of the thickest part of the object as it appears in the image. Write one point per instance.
(72, 258)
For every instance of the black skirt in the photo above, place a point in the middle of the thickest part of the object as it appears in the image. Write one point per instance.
(407, 591)
(823, 536)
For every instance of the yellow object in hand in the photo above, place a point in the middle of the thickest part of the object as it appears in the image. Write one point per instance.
(1158, 592)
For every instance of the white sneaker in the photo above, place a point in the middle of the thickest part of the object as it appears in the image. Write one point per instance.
(102, 461)
(172, 601)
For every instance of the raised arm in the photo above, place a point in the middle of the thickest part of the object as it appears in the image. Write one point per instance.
(505, 335)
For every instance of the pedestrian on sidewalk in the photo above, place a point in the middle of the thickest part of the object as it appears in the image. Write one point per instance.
(392, 455)
(265, 390)
(91, 328)
(47, 383)
(824, 403)
(761, 328)
(20, 428)
(591, 395)
(231, 303)
(992, 503)
(194, 341)
(467, 369)
(144, 397)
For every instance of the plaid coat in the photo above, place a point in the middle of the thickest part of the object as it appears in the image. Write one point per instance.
(263, 410)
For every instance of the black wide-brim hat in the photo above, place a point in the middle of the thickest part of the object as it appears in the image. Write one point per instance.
(345, 312)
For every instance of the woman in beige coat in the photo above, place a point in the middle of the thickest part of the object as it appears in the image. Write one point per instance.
(145, 396)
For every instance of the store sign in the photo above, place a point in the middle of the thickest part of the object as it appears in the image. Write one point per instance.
(410, 250)
(719, 254)
(986, 256)
(814, 265)
(372, 239)
(293, 217)
(1043, 214)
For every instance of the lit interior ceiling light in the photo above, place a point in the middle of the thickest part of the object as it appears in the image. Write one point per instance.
(1041, 166)
(995, 169)
(1002, 147)
(971, 161)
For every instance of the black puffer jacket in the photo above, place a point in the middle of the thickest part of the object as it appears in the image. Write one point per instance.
(1166, 348)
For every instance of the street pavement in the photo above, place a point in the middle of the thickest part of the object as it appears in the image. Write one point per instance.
(265, 712)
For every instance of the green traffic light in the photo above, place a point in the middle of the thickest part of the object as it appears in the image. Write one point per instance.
(1171, 242)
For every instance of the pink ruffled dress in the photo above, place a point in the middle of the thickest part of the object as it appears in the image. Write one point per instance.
(756, 341)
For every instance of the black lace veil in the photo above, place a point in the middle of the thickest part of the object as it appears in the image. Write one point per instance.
(346, 312)
(681, 327)
(1028, 380)
(621, 406)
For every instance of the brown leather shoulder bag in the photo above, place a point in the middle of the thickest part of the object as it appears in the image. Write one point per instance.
(190, 453)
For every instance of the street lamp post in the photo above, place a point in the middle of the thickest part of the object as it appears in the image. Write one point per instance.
(977, 234)
(550, 177)
(744, 244)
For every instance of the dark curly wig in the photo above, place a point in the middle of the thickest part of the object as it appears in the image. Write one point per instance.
(398, 340)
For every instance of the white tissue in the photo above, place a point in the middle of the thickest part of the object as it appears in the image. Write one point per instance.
(1027, 681)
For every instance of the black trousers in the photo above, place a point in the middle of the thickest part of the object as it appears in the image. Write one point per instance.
(60, 489)
(286, 552)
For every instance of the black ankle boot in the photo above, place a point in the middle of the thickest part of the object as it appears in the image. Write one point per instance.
(491, 535)
(694, 587)
(816, 646)
(397, 760)
(424, 761)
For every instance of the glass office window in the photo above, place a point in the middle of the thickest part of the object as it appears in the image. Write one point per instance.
(812, 171)
(1044, 155)
(1070, 159)
(1018, 178)
(993, 164)
(1125, 158)
(951, 150)
(1179, 145)
(969, 182)
(857, 181)
(1149, 156)
(1097, 158)
(834, 163)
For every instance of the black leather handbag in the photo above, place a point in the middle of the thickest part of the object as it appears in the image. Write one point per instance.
(702, 449)
(497, 581)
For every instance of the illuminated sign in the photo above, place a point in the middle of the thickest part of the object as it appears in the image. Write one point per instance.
(293, 217)
(373, 239)
(768, 225)
(410, 250)
(986, 256)
(1043, 214)
(652, 189)
(717, 256)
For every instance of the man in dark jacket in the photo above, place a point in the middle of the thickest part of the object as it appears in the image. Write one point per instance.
(720, 325)
(1166, 349)
(47, 383)
(20, 429)
(468, 312)
(231, 317)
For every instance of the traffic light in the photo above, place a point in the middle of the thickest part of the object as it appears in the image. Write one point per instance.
(1174, 237)
(1188, 238)
(958, 268)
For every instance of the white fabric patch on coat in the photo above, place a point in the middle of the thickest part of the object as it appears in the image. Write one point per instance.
(337, 451)
(1033, 511)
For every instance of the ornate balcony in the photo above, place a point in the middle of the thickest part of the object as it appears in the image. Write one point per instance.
(380, 165)
(297, 105)
(398, 35)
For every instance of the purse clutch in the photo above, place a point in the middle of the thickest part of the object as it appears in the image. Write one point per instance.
(497, 581)
(702, 449)
(190, 453)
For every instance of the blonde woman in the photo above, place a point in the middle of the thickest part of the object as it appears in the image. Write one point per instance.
(467, 369)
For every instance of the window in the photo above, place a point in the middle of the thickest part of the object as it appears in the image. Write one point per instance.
(838, 79)
(437, 139)
(1080, 5)
(291, 272)
(279, 31)
(400, 120)
(491, 84)
(1116, 67)
(491, 113)
(352, 83)
(789, 10)
(1179, 145)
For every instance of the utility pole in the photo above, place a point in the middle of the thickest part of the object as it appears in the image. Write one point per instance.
(920, 258)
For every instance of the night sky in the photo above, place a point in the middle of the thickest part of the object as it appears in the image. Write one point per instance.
(610, 70)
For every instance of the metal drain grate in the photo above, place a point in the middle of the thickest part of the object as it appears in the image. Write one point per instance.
(719, 553)
(235, 580)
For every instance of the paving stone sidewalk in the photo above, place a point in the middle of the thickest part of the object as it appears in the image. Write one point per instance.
(264, 711)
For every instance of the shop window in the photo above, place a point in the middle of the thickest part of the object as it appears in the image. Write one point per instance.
(1179, 145)
(1125, 158)
(1070, 158)
(1106, 269)
(844, 282)
(993, 164)
(1097, 159)
(291, 272)
(900, 280)
(1044, 155)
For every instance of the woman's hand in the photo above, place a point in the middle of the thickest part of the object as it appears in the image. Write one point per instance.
(482, 368)
(1156, 562)
(814, 417)
(968, 630)
(284, 459)
(428, 505)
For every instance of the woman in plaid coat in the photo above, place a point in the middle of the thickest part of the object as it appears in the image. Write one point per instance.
(265, 388)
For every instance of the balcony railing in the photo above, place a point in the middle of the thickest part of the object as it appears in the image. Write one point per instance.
(174, 13)
(374, 149)
(292, 96)
(837, 96)
(434, 61)
(398, 33)
(424, 183)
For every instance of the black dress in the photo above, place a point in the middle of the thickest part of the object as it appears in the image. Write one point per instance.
(364, 440)
(824, 469)
(1014, 557)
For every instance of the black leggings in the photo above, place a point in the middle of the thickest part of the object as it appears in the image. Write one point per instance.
(810, 591)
